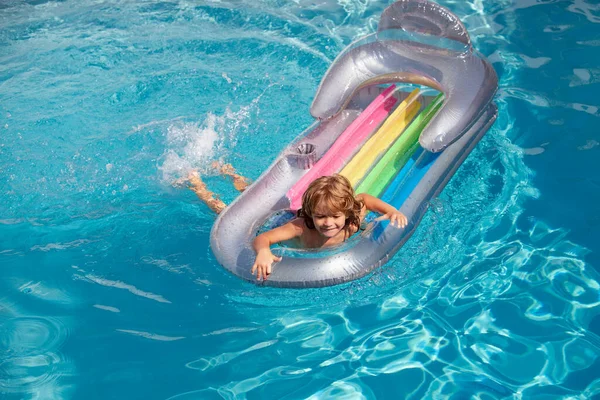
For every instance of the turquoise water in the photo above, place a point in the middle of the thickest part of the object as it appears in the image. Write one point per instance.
(108, 288)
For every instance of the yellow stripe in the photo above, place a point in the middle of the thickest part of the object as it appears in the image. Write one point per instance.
(382, 139)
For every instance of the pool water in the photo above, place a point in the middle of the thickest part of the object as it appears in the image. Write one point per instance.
(108, 287)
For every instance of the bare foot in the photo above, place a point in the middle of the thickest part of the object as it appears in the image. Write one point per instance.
(180, 182)
(217, 165)
(239, 182)
(187, 181)
(216, 205)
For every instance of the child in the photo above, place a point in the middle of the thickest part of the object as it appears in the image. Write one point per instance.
(330, 214)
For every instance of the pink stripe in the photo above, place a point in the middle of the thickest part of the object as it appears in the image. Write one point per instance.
(345, 145)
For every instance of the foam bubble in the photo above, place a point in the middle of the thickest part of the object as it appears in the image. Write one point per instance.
(189, 147)
(194, 146)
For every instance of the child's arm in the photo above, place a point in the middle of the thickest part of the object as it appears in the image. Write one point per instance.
(389, 212)
(262, 246)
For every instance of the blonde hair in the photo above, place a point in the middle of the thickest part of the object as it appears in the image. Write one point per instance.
(336, 193)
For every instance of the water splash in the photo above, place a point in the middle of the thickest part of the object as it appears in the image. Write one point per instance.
(190, 147)
(194, 146)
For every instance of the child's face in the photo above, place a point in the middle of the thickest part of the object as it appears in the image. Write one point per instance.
(328, 223)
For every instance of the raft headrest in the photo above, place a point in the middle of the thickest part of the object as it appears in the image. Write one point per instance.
(426, 18)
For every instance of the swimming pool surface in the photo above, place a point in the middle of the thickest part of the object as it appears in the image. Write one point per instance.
(108, 288)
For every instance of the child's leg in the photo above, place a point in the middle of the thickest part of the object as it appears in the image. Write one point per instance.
(239, 182)
(199, 187)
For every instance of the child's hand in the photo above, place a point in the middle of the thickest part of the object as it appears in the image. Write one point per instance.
(396, 218)
(262, 264)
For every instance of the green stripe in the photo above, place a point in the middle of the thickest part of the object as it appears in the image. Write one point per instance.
(394, 159)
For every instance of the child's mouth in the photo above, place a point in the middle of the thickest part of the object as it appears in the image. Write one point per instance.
(328, 230)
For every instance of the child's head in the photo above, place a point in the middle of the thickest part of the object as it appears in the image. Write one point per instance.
(330, 196)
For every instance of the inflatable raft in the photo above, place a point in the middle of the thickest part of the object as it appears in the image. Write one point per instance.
(397, 113)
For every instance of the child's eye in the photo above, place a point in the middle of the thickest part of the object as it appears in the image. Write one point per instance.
(325, 216)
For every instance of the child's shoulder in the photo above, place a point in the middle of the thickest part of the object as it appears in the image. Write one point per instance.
(363, 209)
(298, 222)
(361, 197)
(298, 225)
(284, 232)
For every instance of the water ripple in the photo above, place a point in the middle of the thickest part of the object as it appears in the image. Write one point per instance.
(207, 394)
(590, 10)
(31, 335)
(61, 246)
(204, 364)
(492, 298)
(43, 291)
(32, 362)
(119, 285)
(343, 390)
(151, 336)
